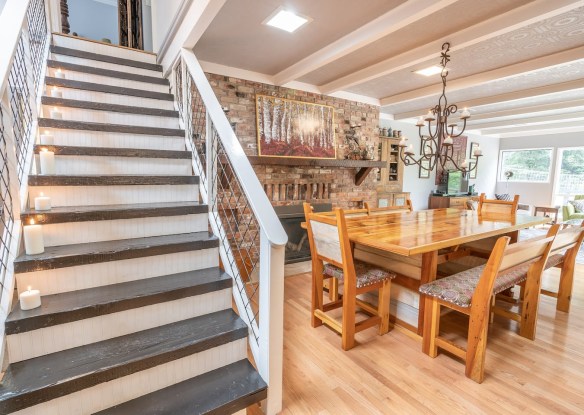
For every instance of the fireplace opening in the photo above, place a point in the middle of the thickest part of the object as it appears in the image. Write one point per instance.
(297, 248)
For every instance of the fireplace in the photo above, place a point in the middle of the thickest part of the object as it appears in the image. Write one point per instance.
(297, 248)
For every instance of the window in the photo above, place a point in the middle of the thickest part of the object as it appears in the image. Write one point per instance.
(532, 165)
(569, 174)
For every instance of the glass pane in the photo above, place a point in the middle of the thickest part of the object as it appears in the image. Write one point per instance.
(526, 165)
(94, 19)
(571, 175)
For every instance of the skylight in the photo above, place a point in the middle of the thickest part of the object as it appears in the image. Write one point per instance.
(286, 20)
(432, 70)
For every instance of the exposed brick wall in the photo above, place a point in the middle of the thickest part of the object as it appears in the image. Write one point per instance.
(239, 96)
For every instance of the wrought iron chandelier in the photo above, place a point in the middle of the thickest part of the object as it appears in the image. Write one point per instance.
(437, 143)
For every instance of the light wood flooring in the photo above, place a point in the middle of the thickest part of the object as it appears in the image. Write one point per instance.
(391, 375)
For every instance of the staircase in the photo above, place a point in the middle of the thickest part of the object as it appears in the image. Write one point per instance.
(136, 315)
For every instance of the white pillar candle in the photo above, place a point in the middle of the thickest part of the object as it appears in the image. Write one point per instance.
(30, 299)
(465, 114)
(56, 114)
(55, 93)
(47, 139)
(59, 74)
(42, 202)
(47, 161)
(33, 239)
(477, 152)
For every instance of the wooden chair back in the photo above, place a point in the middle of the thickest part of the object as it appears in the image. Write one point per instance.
(389, 209)
(497, 207)
(568, 238)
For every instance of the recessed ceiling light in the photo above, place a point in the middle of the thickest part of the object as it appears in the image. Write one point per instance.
(432, 70)
(286, 20)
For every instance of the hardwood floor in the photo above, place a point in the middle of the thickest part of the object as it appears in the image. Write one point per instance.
(391, 375)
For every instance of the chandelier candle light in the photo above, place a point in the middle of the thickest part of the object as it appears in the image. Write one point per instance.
(437, 143)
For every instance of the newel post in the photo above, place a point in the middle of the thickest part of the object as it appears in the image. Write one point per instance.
(271, 322)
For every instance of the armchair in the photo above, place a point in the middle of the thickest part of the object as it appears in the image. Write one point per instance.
(568, 211)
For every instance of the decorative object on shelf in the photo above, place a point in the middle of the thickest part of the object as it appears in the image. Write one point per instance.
(437, 148)
(33, 239)
(287, 128)
(384, 132)
(389, 132)
(369, 152)
(30, 299)
(42, 202)
(47, 161)
(354, 150)
(508, 175)
(424, 172)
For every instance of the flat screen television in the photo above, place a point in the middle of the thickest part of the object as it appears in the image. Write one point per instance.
(457, 183)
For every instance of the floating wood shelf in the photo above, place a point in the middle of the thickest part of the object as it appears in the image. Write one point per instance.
(364, 166)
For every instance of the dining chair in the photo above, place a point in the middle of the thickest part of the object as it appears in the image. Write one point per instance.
(497, 207)
(332, 257)
(564, 253)
(470, 293)
(389, 209)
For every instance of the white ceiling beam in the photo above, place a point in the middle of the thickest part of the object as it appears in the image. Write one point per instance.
(390, 22)
(508, 96)
(526, 128)
(573, 105)
(527, 120)
(480, 78)
(554, 131)
(496, 26)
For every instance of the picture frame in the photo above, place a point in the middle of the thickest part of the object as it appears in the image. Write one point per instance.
(294, 129)
(473, 173)
(423, 173)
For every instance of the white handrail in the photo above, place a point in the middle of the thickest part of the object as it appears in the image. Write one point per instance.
(260, 205)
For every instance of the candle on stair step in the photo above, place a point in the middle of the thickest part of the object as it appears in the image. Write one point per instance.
(56, 93)
(47, 139)
(30, 299)
(47, 159)
(42, 202)
(59, 74)
(33, 239)
(56, 114)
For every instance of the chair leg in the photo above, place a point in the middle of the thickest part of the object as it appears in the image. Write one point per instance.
(476, 348)
(334, 289)
(565, 290)
(317, 293)
(383, 307)
(431, 328)
(529, 307)
(491, 310)
(348, 324)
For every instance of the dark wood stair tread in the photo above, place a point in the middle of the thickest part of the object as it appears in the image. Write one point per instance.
(114, 152)
(65, 214)
(108, 89)
(103, 106)
(60, 50)
(107, 72)
(44, 378)
(222, 391)
(90, 253)
(109, 180)
(109, 128)
(92, 302)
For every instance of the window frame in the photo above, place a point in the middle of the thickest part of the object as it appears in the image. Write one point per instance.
(550, 170)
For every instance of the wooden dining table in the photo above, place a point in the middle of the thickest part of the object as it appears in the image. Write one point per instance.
(413, 244)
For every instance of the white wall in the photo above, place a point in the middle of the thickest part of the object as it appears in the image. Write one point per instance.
(94, 20)
(147, 25)
(537, 193)
(163, 12)
(420, 189)
(2, 3)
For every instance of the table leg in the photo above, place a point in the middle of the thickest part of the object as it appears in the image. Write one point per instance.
(429, 270)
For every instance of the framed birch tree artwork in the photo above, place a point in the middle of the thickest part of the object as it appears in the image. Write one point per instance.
(287, 128)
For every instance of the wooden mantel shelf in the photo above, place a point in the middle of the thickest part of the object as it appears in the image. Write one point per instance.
(364, 166)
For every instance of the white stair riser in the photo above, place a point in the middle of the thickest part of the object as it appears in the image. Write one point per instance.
(52, 339)
(114, 195)
(109, 117)
(108, 80)
(105, 395)
(60, 280)
(114, 140)
(109, 50)
(78, 165)
(110, 230)
(104, 65)
(117, 99)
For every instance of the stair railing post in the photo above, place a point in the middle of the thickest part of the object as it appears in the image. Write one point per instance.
(211, 157)
(271, 322)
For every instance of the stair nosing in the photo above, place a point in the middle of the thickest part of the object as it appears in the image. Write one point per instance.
(114, 152)
(150, 404)
(145, 292)
(51, 63)
(110, 180)
(100, 106)
(76, 53)
(109, 128)
(65, 256)
(230, 329)
(107, 89)
(112, 212)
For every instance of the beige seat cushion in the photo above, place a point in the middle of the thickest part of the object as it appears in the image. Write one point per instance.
(367, 274)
